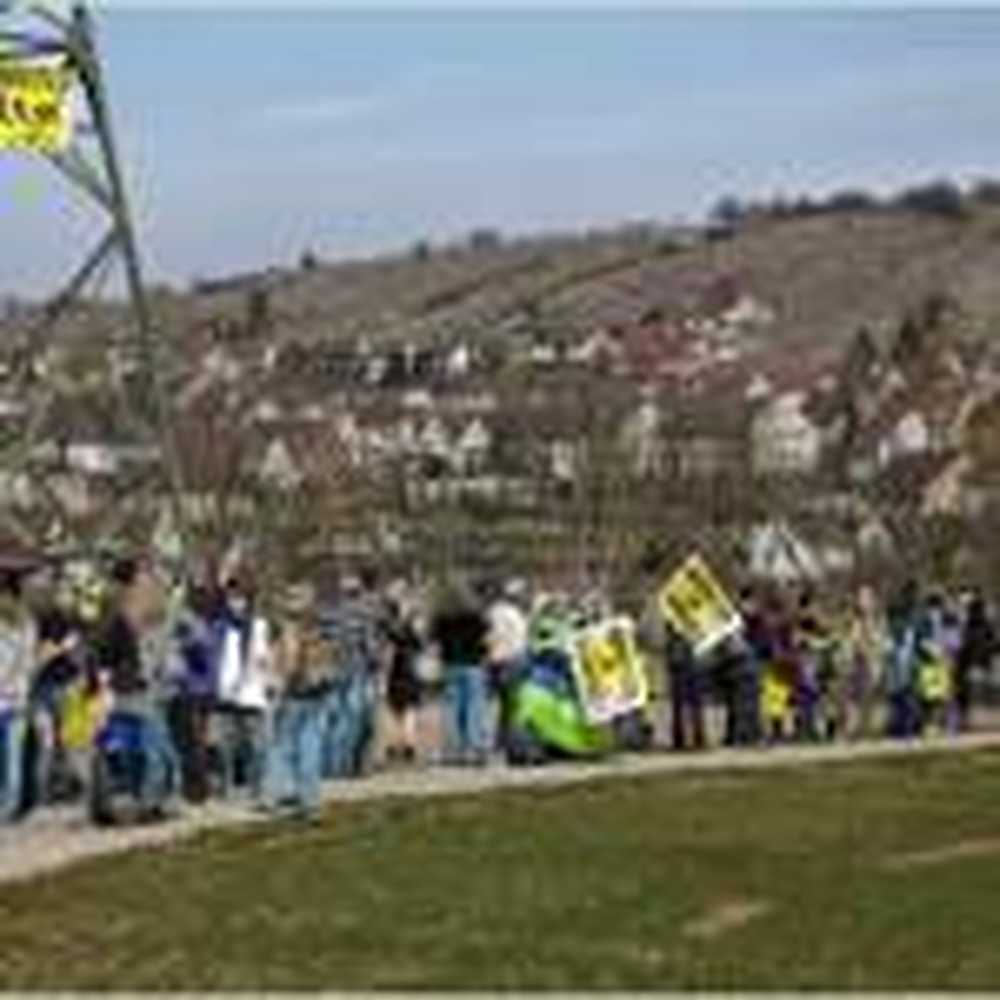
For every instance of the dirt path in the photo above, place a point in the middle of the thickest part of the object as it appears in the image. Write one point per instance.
(53, 839)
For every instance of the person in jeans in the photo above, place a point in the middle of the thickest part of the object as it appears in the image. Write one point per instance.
(303, 668)
(901, 667)
(18, 658)
(244, 651)
(196, 675)
(507, 649)
(687, 694)
(125, 652)
(459, 631)
(59, 666)
(351, 627)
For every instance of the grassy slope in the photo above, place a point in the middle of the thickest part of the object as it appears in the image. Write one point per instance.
(585, 887)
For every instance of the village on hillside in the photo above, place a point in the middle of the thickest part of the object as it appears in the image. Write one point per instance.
(814, 390)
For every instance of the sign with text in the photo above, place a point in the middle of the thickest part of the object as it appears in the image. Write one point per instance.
(694, 604)
(609, 672)
(35, 114)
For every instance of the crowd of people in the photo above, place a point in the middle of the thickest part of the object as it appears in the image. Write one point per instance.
(222, 695)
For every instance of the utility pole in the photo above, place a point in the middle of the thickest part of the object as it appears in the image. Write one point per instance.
(90, 162)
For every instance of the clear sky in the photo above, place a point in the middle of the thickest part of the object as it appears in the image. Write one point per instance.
(250, 135)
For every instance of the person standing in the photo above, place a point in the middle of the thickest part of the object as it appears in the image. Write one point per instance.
(975, 652)
(506, 650)
(303, 669)
(459, 632)
(59, 667)
(125, 652)
(351, 627)
(244, 677)
(196, 678)
(18, 659)
(687, 694)
(866, 648)
(901, 668)
(404, 689)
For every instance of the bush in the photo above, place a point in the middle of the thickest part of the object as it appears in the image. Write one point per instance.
(728, 211)
(484, 239)
(987, 191)
(941, 198)
(852, 201)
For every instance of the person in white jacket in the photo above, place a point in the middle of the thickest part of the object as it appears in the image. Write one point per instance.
(506, 649)
(246, 686)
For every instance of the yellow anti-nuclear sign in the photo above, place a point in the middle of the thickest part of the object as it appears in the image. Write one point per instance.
(34, 105)
(610, 675)
(694, 604)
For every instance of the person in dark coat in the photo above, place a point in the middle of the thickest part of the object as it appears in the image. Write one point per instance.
(404, 689)
(975, 652)
(687, 694)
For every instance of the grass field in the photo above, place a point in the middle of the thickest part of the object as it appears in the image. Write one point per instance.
(868, 875)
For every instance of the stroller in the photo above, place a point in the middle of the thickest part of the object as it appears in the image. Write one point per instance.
(117, 771)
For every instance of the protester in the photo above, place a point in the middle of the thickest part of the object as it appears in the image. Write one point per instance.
(901, 670)
(125, 652)
(750, 651)
(18, 658)
(459, 631)
(506, 649)
(404, 689)
(304, 671)
(197, 670)
(687, 694)
(59, 666)
(351, 626)
(243, 638)
(867, 646)
(975, 652)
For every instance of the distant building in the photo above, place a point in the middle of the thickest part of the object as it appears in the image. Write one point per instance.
(785, 440)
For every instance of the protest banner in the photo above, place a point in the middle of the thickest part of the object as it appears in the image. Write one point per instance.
(694, 604)
(609, 672)
(35, 114)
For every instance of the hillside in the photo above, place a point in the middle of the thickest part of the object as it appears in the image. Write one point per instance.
(535, 379)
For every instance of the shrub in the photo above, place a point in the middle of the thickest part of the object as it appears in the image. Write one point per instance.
(941, 198)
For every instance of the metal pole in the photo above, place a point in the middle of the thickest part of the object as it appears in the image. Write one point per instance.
(82, 42)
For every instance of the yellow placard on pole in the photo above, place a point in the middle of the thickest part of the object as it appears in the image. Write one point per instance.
(694, 604)
(610, 675)
(35, 113)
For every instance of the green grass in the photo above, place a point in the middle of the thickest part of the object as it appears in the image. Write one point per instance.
(585, 887)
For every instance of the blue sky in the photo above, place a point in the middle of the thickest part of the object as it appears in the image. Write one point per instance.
(250, 135)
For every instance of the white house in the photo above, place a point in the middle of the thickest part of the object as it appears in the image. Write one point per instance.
(278, 466)
(910, 436)
(784, 439)
(473, 446)
(459, 362)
